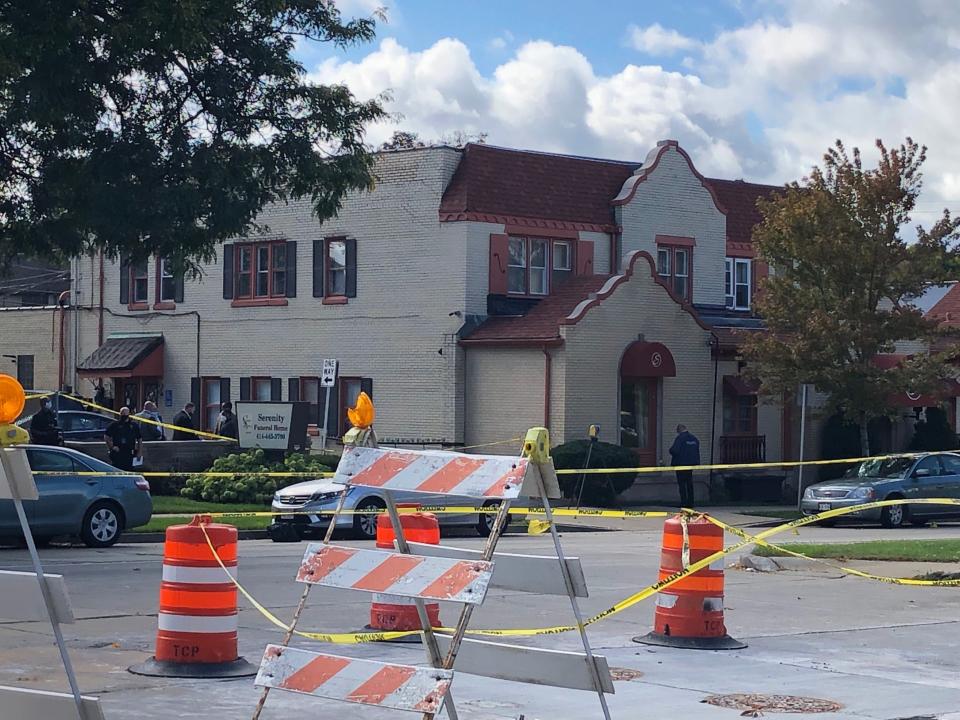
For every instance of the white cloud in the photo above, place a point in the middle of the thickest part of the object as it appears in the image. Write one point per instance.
(658, 40)
(762, 101)
(501, 41)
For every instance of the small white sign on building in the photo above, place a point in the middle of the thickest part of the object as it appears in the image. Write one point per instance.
(328, 374)
(264, 425)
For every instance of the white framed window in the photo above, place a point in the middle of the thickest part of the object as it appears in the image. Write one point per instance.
(737, 287)
(166, 283)
(673, 267)
(517, 266)
(539, 253)
(562, 256)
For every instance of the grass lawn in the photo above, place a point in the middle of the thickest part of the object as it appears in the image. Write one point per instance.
(159, 524)
(165, 504)
(947, 550)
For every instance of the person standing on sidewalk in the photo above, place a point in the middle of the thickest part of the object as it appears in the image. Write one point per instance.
(685, 451)
(184, 419)
(123, 441)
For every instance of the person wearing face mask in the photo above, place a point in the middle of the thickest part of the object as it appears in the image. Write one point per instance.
(44, 429)
(149, 431)
(123, 441)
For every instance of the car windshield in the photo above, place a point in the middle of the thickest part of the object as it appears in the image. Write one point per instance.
(880, 468)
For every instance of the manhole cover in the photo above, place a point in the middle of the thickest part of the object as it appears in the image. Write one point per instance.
(755, 705)
(624, 674)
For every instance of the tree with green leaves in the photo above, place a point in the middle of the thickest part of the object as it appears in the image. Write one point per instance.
(155, 127)
(844, 280)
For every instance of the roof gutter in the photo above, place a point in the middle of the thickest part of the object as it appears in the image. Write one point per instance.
(512, 342)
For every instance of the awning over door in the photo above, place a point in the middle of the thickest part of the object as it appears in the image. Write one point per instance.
(127, 356)
(647, 359)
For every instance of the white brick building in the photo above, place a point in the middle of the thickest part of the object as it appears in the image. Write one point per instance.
(475, 292)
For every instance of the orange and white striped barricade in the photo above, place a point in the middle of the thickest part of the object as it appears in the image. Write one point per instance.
(399, 687)
(35, 596)
(197, 623)
(432, 576)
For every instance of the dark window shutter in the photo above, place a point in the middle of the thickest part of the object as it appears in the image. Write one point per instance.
(499, 254)
(224, 389)
(351, 267)
(293, 389)
(124, 279)
(333, 416)
(584, 257)
(228, 272)
(319, 246)
(196, 400)
(178, 288)
(366, 385)
(244, 388)
(291, 268)
(276, 389)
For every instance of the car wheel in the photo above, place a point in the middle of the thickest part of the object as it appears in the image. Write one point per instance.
(102, 525)
(894, 516)
(486, 520)
(365, 521)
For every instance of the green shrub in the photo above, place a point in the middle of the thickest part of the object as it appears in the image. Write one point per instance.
(169, 485)
(249, 488)
(933, 433)
(598, 489)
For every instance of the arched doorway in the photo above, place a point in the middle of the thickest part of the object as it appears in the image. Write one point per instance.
(642, 366)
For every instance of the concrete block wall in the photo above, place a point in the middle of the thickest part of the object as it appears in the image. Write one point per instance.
(410, 279)
(35, 331)
(504, 395)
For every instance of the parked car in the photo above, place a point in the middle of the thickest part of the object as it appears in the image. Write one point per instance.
(294, 503)
(95, 508)
(931, 475)
(77, 424)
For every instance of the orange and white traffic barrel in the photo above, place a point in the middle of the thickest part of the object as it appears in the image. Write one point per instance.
(197, 622)
(689, 613)
(392, 613)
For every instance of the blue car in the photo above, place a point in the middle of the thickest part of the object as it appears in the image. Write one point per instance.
(96, 508)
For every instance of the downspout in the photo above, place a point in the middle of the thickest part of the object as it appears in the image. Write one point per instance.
(547, 372)
(65, 295)
(198, 344)
(715, 345)
(100, 327)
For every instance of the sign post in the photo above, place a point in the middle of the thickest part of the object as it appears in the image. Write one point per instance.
(328, 380)
(803, 437)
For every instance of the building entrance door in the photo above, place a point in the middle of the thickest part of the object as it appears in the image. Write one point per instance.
(638, 417)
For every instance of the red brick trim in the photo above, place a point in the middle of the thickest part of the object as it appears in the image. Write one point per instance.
(335, 300)
(515, 342)
(675, 240)
(165, 306)
(644, 173)
(138, 306)
(258, 302)
(530, 230)
(740, 249)
(527, 225)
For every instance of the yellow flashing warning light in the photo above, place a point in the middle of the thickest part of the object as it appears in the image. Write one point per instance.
(12, 399)
(363, 414)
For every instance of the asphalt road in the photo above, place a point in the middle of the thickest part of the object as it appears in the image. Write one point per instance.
(882, 651)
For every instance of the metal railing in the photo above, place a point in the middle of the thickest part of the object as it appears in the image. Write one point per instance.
(743, 448)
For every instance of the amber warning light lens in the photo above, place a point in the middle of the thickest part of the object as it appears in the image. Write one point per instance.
(363, 415)
(12, 399)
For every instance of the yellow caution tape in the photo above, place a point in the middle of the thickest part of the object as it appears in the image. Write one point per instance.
(626, 603)
(836, 566)
(439, 510)
(34, 396)
(199, 433)
(538, 527)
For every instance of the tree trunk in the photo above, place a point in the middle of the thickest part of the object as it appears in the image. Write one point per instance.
(864, 436)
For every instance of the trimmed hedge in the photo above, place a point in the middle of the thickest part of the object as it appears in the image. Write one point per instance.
(250, 488)
(598, 489)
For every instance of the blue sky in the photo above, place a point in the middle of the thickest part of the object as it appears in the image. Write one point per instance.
(751, 88)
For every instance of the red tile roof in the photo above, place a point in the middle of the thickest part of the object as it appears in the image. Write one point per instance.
(947, 309)
(526, 184)
(539, 185)
(739, 199)
(543, 321)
